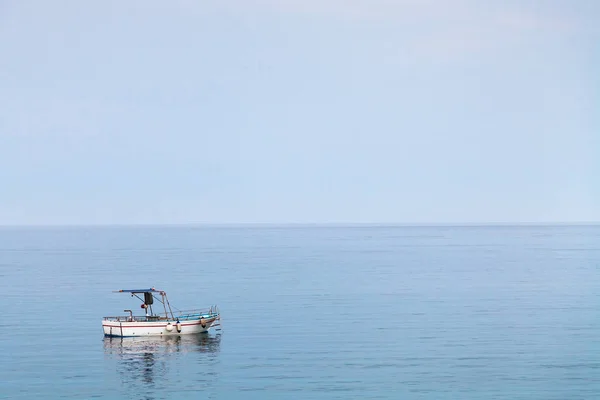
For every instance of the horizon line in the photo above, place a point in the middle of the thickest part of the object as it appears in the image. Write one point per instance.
(303, 224)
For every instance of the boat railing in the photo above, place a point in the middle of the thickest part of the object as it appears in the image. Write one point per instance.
(180, 314)
(196, 313)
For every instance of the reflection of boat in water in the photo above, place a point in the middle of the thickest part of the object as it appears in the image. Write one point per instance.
(144, 364)
(169, 323)
(201, 342)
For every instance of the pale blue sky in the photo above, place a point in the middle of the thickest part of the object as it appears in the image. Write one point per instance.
(233, 111)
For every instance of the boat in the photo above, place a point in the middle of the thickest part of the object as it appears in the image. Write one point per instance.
(167, 324)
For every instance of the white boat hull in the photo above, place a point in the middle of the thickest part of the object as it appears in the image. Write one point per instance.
(156, 328)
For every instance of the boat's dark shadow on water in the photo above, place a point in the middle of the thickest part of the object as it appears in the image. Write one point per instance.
(143, 362)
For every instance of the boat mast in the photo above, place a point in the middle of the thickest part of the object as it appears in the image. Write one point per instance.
(164, 305)
(169, 304)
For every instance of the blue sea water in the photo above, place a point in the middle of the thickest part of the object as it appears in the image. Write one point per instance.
(309, 312)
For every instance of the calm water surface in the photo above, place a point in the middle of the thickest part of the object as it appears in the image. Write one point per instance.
(308, 312)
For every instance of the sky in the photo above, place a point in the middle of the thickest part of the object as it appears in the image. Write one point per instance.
(299, 111)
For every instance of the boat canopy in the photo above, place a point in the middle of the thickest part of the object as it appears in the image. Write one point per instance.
(151, 290)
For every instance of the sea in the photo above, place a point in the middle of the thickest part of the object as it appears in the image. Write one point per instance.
(308, 312)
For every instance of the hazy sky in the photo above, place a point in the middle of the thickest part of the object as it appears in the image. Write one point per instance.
(299, 111)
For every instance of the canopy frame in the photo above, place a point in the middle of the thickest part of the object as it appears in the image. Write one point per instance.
(164, 299)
